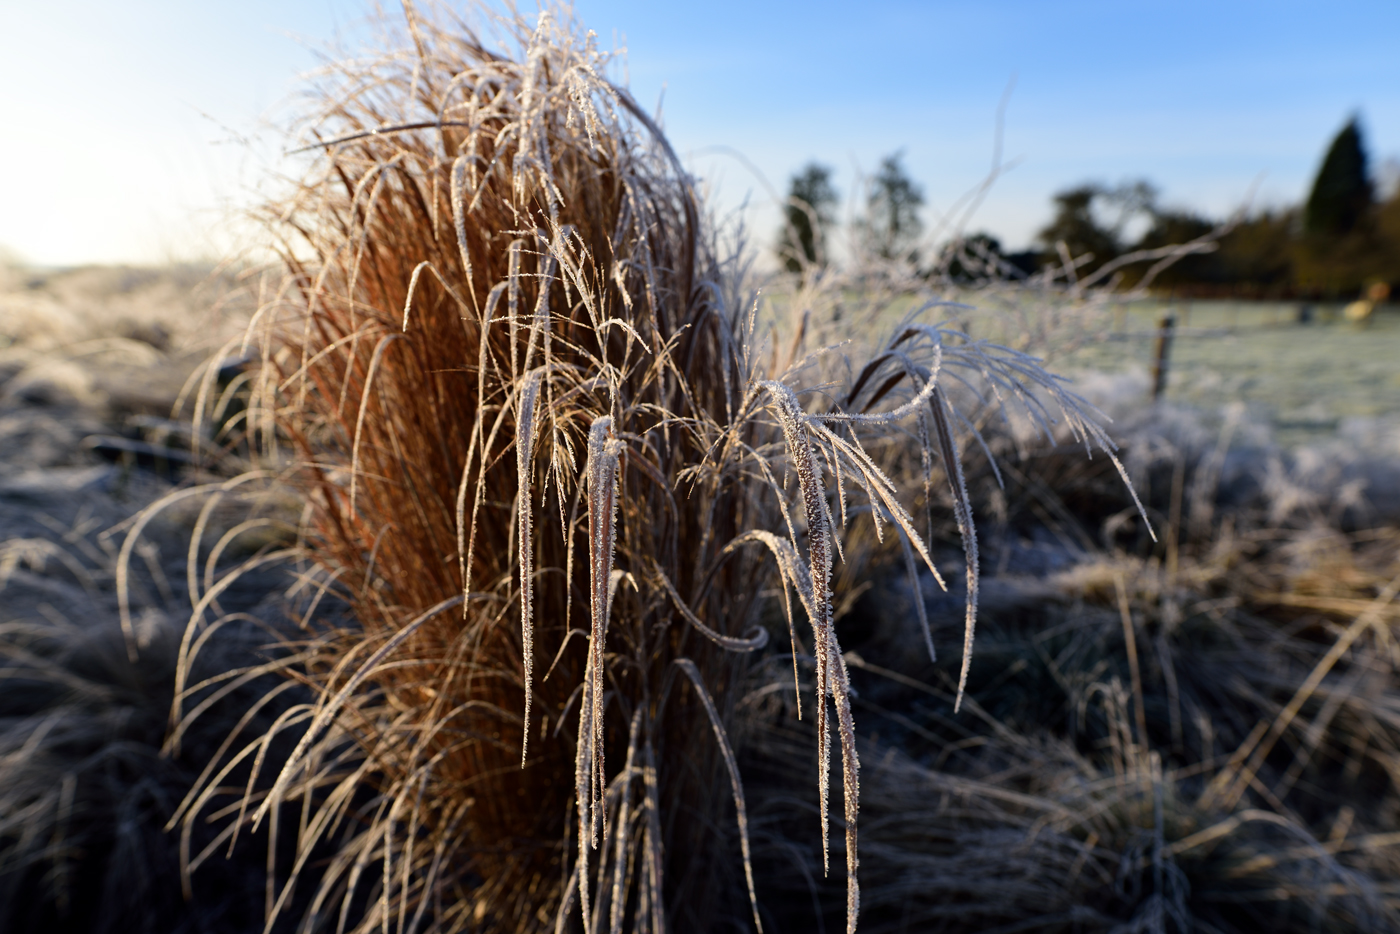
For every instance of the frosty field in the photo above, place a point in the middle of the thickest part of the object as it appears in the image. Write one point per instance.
(1307, 381)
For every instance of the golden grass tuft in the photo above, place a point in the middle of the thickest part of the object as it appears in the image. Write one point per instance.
(535, 428)
(510, 284)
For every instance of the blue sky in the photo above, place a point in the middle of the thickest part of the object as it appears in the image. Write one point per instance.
(120, 121)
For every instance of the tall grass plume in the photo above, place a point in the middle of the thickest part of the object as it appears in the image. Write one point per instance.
(536, 422)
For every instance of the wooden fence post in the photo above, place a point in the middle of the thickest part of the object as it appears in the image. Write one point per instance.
(1160, 357)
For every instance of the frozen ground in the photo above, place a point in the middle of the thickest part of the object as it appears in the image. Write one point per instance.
(94, 364)
(1308, 381)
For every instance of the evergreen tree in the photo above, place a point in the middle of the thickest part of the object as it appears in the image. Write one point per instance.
(811, 198)
(1342, 193)
(891, 227)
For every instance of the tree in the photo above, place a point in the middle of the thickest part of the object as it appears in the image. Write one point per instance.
(1342, 193)
(1077, 222)
(891, 227)
(1074, 225)
(811, 198)
(1258, 255)
(980, 256)
(1171, 228)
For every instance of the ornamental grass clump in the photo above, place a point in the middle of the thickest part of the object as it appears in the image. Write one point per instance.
(1196, 735)
(546, 461)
